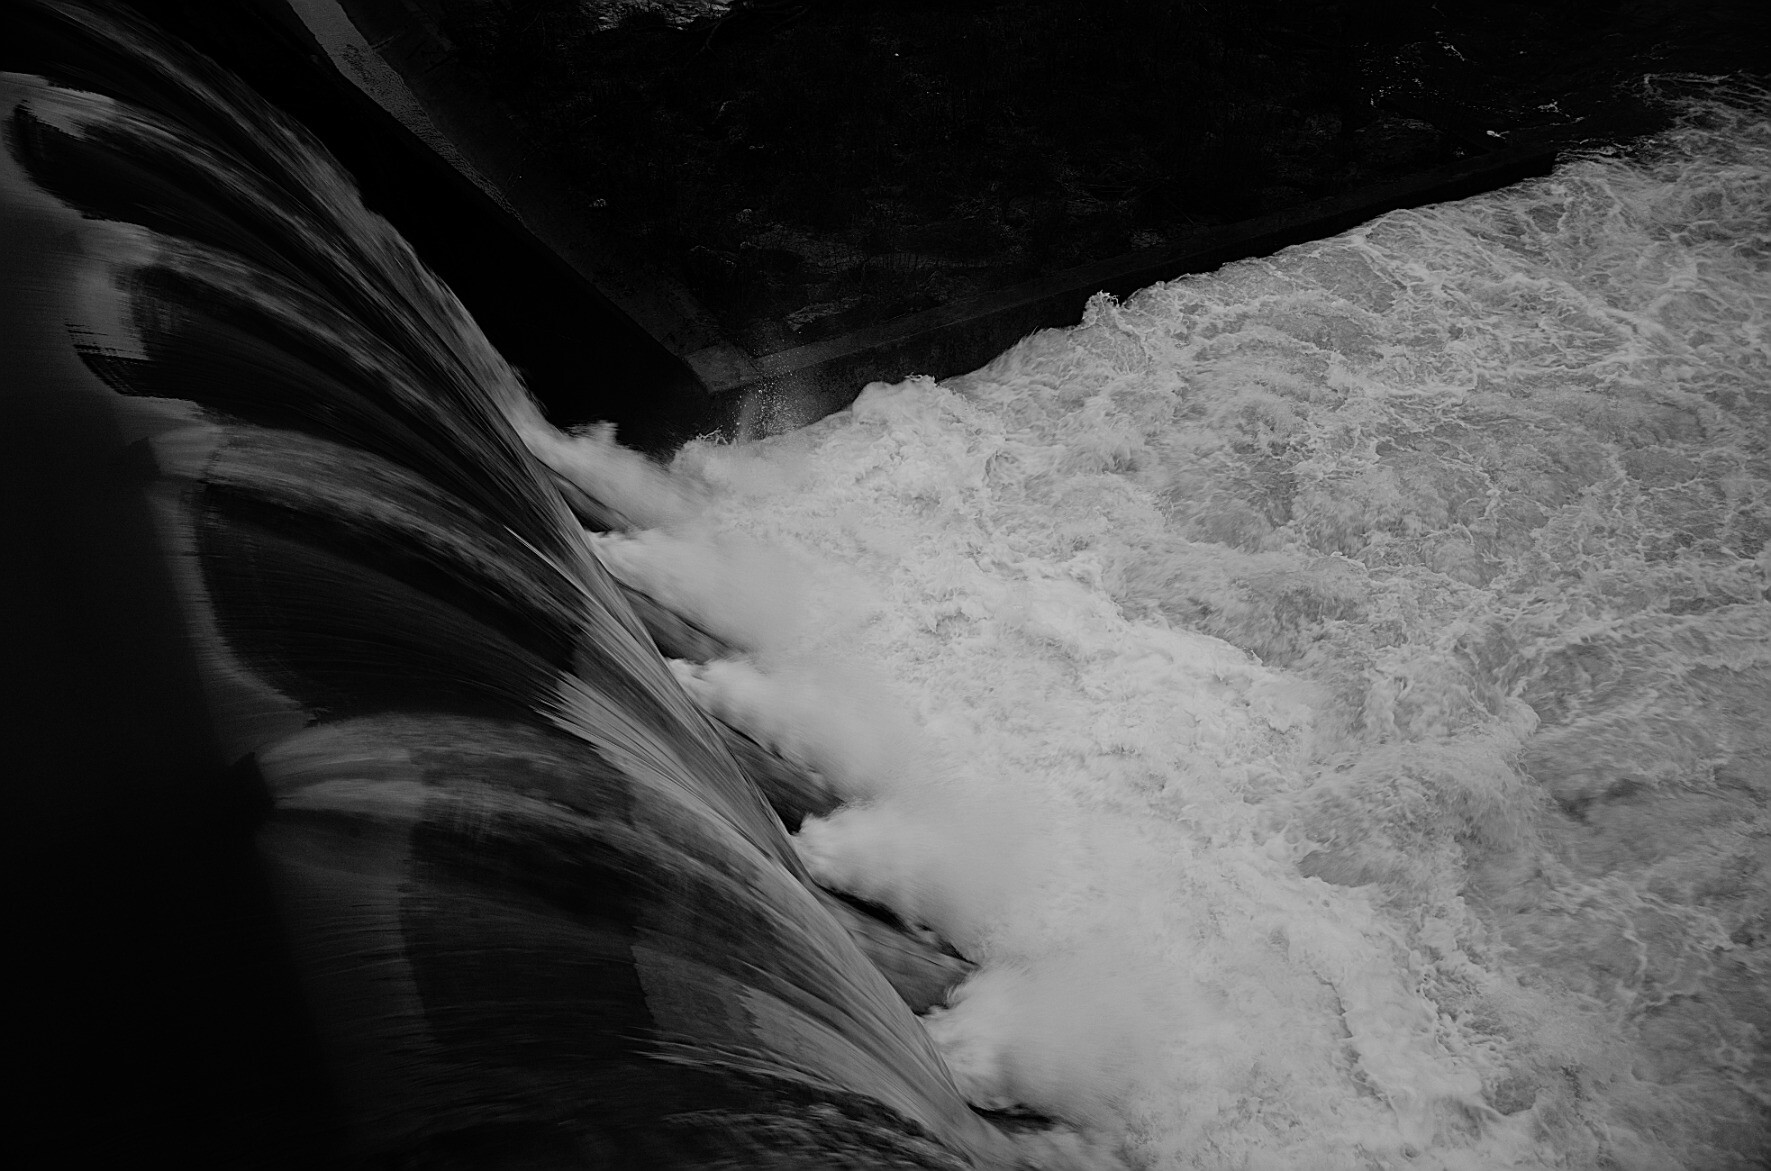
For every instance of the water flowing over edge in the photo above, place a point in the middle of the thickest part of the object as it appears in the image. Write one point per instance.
(536, 907)
(1324, 697)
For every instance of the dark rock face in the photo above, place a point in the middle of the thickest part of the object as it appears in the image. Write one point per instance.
(1393, 145)
(528, 907)
(786, 157)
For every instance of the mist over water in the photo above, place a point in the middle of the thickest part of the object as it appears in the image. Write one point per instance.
(1327, 697)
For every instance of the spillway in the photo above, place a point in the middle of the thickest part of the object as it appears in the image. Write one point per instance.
(1323, 699)
(533, 908)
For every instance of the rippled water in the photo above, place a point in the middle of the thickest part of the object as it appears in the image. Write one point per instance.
(1328, 696)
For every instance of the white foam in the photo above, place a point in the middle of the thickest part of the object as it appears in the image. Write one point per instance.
(1325, 696)
(641, 491)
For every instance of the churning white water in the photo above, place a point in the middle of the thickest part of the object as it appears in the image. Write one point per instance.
(1329, 698)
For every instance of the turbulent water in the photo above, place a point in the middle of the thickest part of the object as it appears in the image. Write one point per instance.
(1325, 699)
(1328, 696)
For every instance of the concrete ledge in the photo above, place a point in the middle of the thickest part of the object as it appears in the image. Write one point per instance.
(485, 140)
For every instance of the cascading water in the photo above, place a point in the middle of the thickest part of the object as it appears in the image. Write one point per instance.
(1325, 699)
(537, 912)
(1331, 697)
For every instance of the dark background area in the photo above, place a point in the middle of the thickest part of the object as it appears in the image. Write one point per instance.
(808, 167)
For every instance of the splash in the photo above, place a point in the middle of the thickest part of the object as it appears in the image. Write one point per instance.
(1330, 691)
